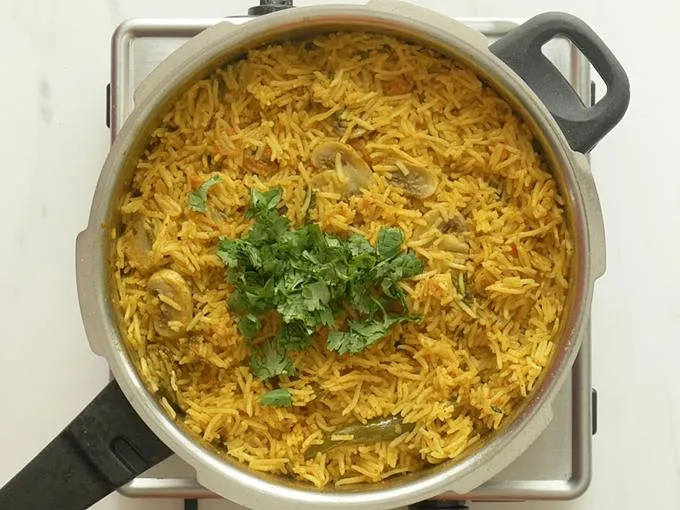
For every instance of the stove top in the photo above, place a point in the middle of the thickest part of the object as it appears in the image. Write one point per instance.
(557, 465)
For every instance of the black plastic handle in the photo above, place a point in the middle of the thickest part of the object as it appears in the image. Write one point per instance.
(583, 125)
(106, 446)
(269, 6)
(435, 504)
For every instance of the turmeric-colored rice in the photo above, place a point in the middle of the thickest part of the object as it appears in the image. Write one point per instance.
(490, 307)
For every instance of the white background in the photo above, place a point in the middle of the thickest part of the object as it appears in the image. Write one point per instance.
(54, 59)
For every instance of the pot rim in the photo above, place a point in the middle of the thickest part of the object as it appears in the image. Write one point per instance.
(455, 40)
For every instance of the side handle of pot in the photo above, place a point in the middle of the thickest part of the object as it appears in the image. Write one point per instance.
(583, 125)
(104, 447)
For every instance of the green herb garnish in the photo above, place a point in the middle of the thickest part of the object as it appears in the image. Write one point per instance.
(361, 334)
(279, 397)
(199, 197)
(262, 202)
(313, 280)
(269, 361)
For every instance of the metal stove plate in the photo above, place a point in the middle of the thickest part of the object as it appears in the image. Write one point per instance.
(557, 465)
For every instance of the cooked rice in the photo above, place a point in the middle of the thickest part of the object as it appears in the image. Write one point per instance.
(490, 316)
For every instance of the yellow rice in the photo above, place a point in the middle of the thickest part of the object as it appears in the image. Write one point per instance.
(490, 316)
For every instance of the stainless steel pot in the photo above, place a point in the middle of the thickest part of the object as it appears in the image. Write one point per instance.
(108, 444)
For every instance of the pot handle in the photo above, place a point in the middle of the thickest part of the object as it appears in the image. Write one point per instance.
(104, 447)
(583, 125)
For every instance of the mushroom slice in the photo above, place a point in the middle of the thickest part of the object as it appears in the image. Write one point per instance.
(353, 170)
(445, 222)
(176, 304)
(139, 247)
(447, 228)
(325, 180)
(450, 242)
(454, 224)
(432, 219)
(417, 180)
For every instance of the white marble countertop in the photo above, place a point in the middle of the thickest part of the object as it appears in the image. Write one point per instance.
(53, 140)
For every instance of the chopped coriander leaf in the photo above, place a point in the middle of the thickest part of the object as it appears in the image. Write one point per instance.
(312, 279)
(199, 197)
(279, 397)
(249, 325)
(361, 334)
(316, 296)
(406, 265)
(270, 226)
(389, 242)
(270, 361)
(263, 201)
(294, 336)
(227, 251)
(359, 244)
